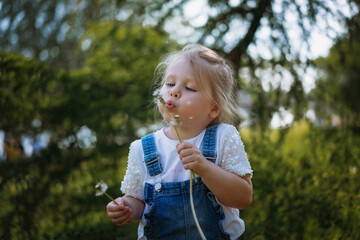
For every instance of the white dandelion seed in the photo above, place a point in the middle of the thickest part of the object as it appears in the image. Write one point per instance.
(191, 117)
(177, 120)
(101, 188)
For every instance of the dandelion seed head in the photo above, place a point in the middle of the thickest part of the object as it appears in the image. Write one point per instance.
(101, 188)
(177, 119)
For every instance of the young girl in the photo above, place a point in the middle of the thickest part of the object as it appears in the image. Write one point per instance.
(196, 84)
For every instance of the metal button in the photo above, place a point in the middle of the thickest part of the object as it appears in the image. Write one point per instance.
(158, 187)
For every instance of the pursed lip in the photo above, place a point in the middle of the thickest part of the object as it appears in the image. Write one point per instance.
(170, 105)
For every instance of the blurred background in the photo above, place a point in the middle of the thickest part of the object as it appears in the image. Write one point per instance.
(75, 90)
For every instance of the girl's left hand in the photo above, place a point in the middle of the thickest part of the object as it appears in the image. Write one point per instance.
(192, 157)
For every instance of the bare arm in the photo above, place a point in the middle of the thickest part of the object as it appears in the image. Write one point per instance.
(229, 188)
(129, 209)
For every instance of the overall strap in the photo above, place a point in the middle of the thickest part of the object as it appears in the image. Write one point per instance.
(208, 146)
(151, 157)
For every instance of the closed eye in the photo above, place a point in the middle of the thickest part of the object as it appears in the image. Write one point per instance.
(190, 89)
(170, 84)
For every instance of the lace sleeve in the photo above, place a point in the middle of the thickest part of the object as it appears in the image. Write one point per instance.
(133, 182)
(233, 157)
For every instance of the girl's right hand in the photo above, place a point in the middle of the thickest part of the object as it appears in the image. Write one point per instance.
(120, 214)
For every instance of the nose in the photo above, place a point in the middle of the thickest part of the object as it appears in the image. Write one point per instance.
(174, 92)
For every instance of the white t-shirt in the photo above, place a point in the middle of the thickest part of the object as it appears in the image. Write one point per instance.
(231, 156)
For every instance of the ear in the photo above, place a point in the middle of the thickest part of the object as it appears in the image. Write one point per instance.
(215, 111)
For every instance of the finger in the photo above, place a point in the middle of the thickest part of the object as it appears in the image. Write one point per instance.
(118, 214)
(190, 153)
(187, 149)
(189, 166)
(112, 207)
(123, 220)
(189, 159)
(119, 217)
(184, 145)
(194, 161)
(120, 201)
(185, 152)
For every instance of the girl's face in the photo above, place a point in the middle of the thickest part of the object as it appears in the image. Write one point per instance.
(185, 97)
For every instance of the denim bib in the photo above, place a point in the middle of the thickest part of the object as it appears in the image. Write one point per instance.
(168, 212)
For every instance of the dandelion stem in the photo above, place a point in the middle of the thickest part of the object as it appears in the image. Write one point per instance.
(193, 210)
(110, 198)
(178, 135)
(164, 104)
(177, 120)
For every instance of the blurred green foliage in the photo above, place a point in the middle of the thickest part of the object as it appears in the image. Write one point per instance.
(305, 183)
(337, 90)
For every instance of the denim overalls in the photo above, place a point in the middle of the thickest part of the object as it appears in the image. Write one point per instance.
(169, 213)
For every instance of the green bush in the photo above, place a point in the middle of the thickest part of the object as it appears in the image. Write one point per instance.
(305, 184)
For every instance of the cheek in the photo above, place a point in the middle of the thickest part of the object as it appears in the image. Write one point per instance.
(162, 111)
(160, 107)
(163, 91)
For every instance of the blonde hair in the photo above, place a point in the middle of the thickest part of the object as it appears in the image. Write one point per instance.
(213, 74)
